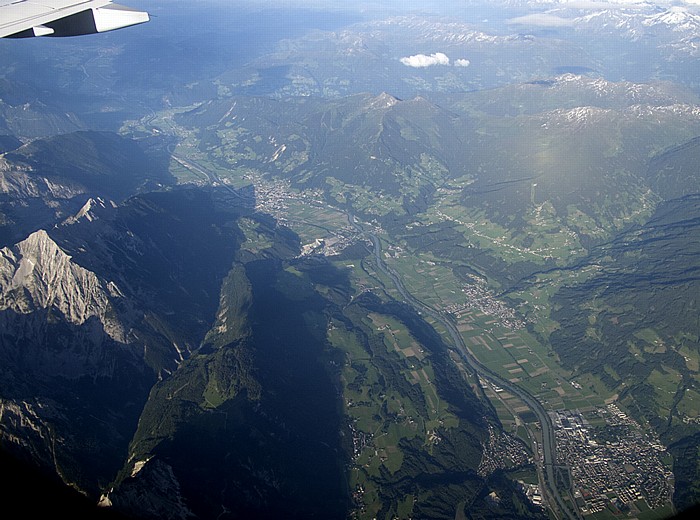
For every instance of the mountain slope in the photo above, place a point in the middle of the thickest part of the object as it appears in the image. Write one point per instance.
(103, 161)
(372, 145)
(66, 359)
(49, 179)
(90, 325)
(634, 326)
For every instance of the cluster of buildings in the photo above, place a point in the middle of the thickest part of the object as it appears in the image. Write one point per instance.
(532, 492)
(502, 451)
(482, 299)
(332, 245)
(614, 465)
(273, 197)
(360, 440)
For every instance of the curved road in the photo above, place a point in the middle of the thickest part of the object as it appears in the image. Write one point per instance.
(547, 428)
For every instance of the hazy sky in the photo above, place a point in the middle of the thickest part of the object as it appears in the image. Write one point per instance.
(436, 6)
(379, 7)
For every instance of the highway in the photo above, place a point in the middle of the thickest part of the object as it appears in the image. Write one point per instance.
(559, 507)
(551, 493)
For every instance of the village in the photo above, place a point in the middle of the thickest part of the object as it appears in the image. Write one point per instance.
(478, 297)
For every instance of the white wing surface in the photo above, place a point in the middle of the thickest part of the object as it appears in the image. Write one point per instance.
(26, 18)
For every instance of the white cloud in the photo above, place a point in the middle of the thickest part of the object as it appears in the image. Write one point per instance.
(422, 60)
(544, 20)
(462, 63)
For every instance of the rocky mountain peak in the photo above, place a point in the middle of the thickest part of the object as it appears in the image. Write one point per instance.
(93, 209)
(37, 274)
(676, 17)
(383, 100)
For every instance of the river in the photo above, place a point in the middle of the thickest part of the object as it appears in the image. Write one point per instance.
(552, 493)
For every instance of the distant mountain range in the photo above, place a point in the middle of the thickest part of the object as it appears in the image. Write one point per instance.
(50, 179)
(570, 132)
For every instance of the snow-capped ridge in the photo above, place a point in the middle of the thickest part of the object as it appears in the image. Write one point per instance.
(677, 18)
(623, 92)
(440, 31)
(579, 117)
(574, 117)
(676, 109)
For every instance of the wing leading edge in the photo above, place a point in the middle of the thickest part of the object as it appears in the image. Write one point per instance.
(27, 18)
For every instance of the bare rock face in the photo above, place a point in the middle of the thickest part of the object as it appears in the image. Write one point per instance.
(152, 492)
(71, 380)
(94, 311)
(55, 313)
(37, 274)
(90, 211)
(48, 180)
(30, 200)
(23, 181)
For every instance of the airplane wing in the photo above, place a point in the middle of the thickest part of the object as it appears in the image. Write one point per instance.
(26, 18)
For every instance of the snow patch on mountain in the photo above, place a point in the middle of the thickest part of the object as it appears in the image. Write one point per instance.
(574, 118)
(624, 91)
(432, 30)
(587, 116)
(674, 24)
(678, 109)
